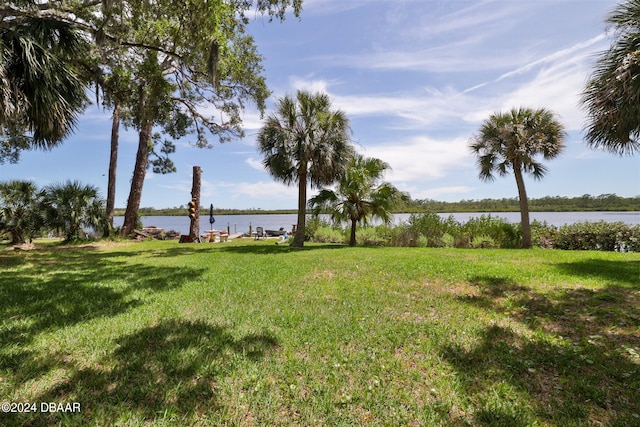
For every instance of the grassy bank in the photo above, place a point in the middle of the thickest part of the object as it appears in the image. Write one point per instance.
(250, 333)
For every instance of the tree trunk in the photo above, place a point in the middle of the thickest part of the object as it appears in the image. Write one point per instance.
(17, 237)
(298, 239)
(524, 206)
(139, 172)
(113, 163)
(194, 225)
(352, 239)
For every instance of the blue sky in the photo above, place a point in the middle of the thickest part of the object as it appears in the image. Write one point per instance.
(416, 78)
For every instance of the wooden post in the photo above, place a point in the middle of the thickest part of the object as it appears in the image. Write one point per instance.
(194, 227)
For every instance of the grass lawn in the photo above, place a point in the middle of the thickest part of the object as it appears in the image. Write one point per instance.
(251, 333)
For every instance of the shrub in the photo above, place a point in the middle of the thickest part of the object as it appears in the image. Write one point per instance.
(448, 240)
(483, 241)
(543, 234)
(502, 233)
(325, 234)
(312, 223)
(372, 236)
(603, 236)
(427, 229)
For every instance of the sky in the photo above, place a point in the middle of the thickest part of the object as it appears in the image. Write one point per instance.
(416, 78)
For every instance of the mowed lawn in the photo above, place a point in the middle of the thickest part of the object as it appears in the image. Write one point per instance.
(250, 333)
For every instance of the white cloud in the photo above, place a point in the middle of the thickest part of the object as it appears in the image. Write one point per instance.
(329, 7)
(251, 121)
(555, 56)
(422, 158)
(557, 87)
(271, 191)
(438, 193)
(418, 109)
(256, 164)
(309, 84)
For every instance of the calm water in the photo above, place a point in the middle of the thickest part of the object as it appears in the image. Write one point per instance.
(241, 223)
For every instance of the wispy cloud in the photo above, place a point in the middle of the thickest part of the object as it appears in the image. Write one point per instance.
(256, 164)
(438, 193)
(577, 49)
(330, 7)
(554, 81)
(422, 158)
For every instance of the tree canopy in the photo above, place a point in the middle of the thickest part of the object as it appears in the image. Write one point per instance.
(359, 196)
(612, 94)
(513, 142)
(178, 68)
(42, 84)
(305, 141)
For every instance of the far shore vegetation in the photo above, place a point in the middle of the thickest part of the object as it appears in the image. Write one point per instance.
(586, 202)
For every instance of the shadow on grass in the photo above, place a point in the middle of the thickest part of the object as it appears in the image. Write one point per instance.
(260, 247)
(626, 273)
(271, 248)
(58, 289)
(169, 372)
(495, 286)
(578, 364)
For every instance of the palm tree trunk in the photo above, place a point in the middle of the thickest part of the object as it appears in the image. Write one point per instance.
(524, 206)
(298, 239)
(113, 163)
(352, 239)
(139, 172)
(17, 237)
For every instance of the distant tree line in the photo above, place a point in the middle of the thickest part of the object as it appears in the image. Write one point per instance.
(586, 202)
(182, 210)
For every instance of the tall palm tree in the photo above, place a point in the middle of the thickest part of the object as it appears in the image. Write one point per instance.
(358, 197)
(42, 88)
(612, 94)
(305, 142)
(72, 206)
(512, 141)
(20, 213)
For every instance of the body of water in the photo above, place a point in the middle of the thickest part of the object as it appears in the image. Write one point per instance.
(241, 223)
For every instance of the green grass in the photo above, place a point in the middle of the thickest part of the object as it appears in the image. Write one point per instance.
(250, 333)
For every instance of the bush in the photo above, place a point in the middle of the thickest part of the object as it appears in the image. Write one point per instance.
(543, 234)
(312, 224)
(402, 235)
(425, 229)
(325, 234)
(429, 229)
(372, 236)
(498, 231)
(602, 236)
(484, 242)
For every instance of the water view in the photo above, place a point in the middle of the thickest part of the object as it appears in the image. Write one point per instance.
(241, 223)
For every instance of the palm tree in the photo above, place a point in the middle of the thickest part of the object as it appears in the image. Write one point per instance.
(72, 206)
(305, 142)
(512, 141)
(612, 94)
(20, 213)
(359, 198)
(42, 90)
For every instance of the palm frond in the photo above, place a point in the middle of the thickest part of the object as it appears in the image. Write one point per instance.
(611, 97)
(521, 134)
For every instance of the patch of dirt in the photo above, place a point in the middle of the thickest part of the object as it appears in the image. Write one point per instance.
(22, 247)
